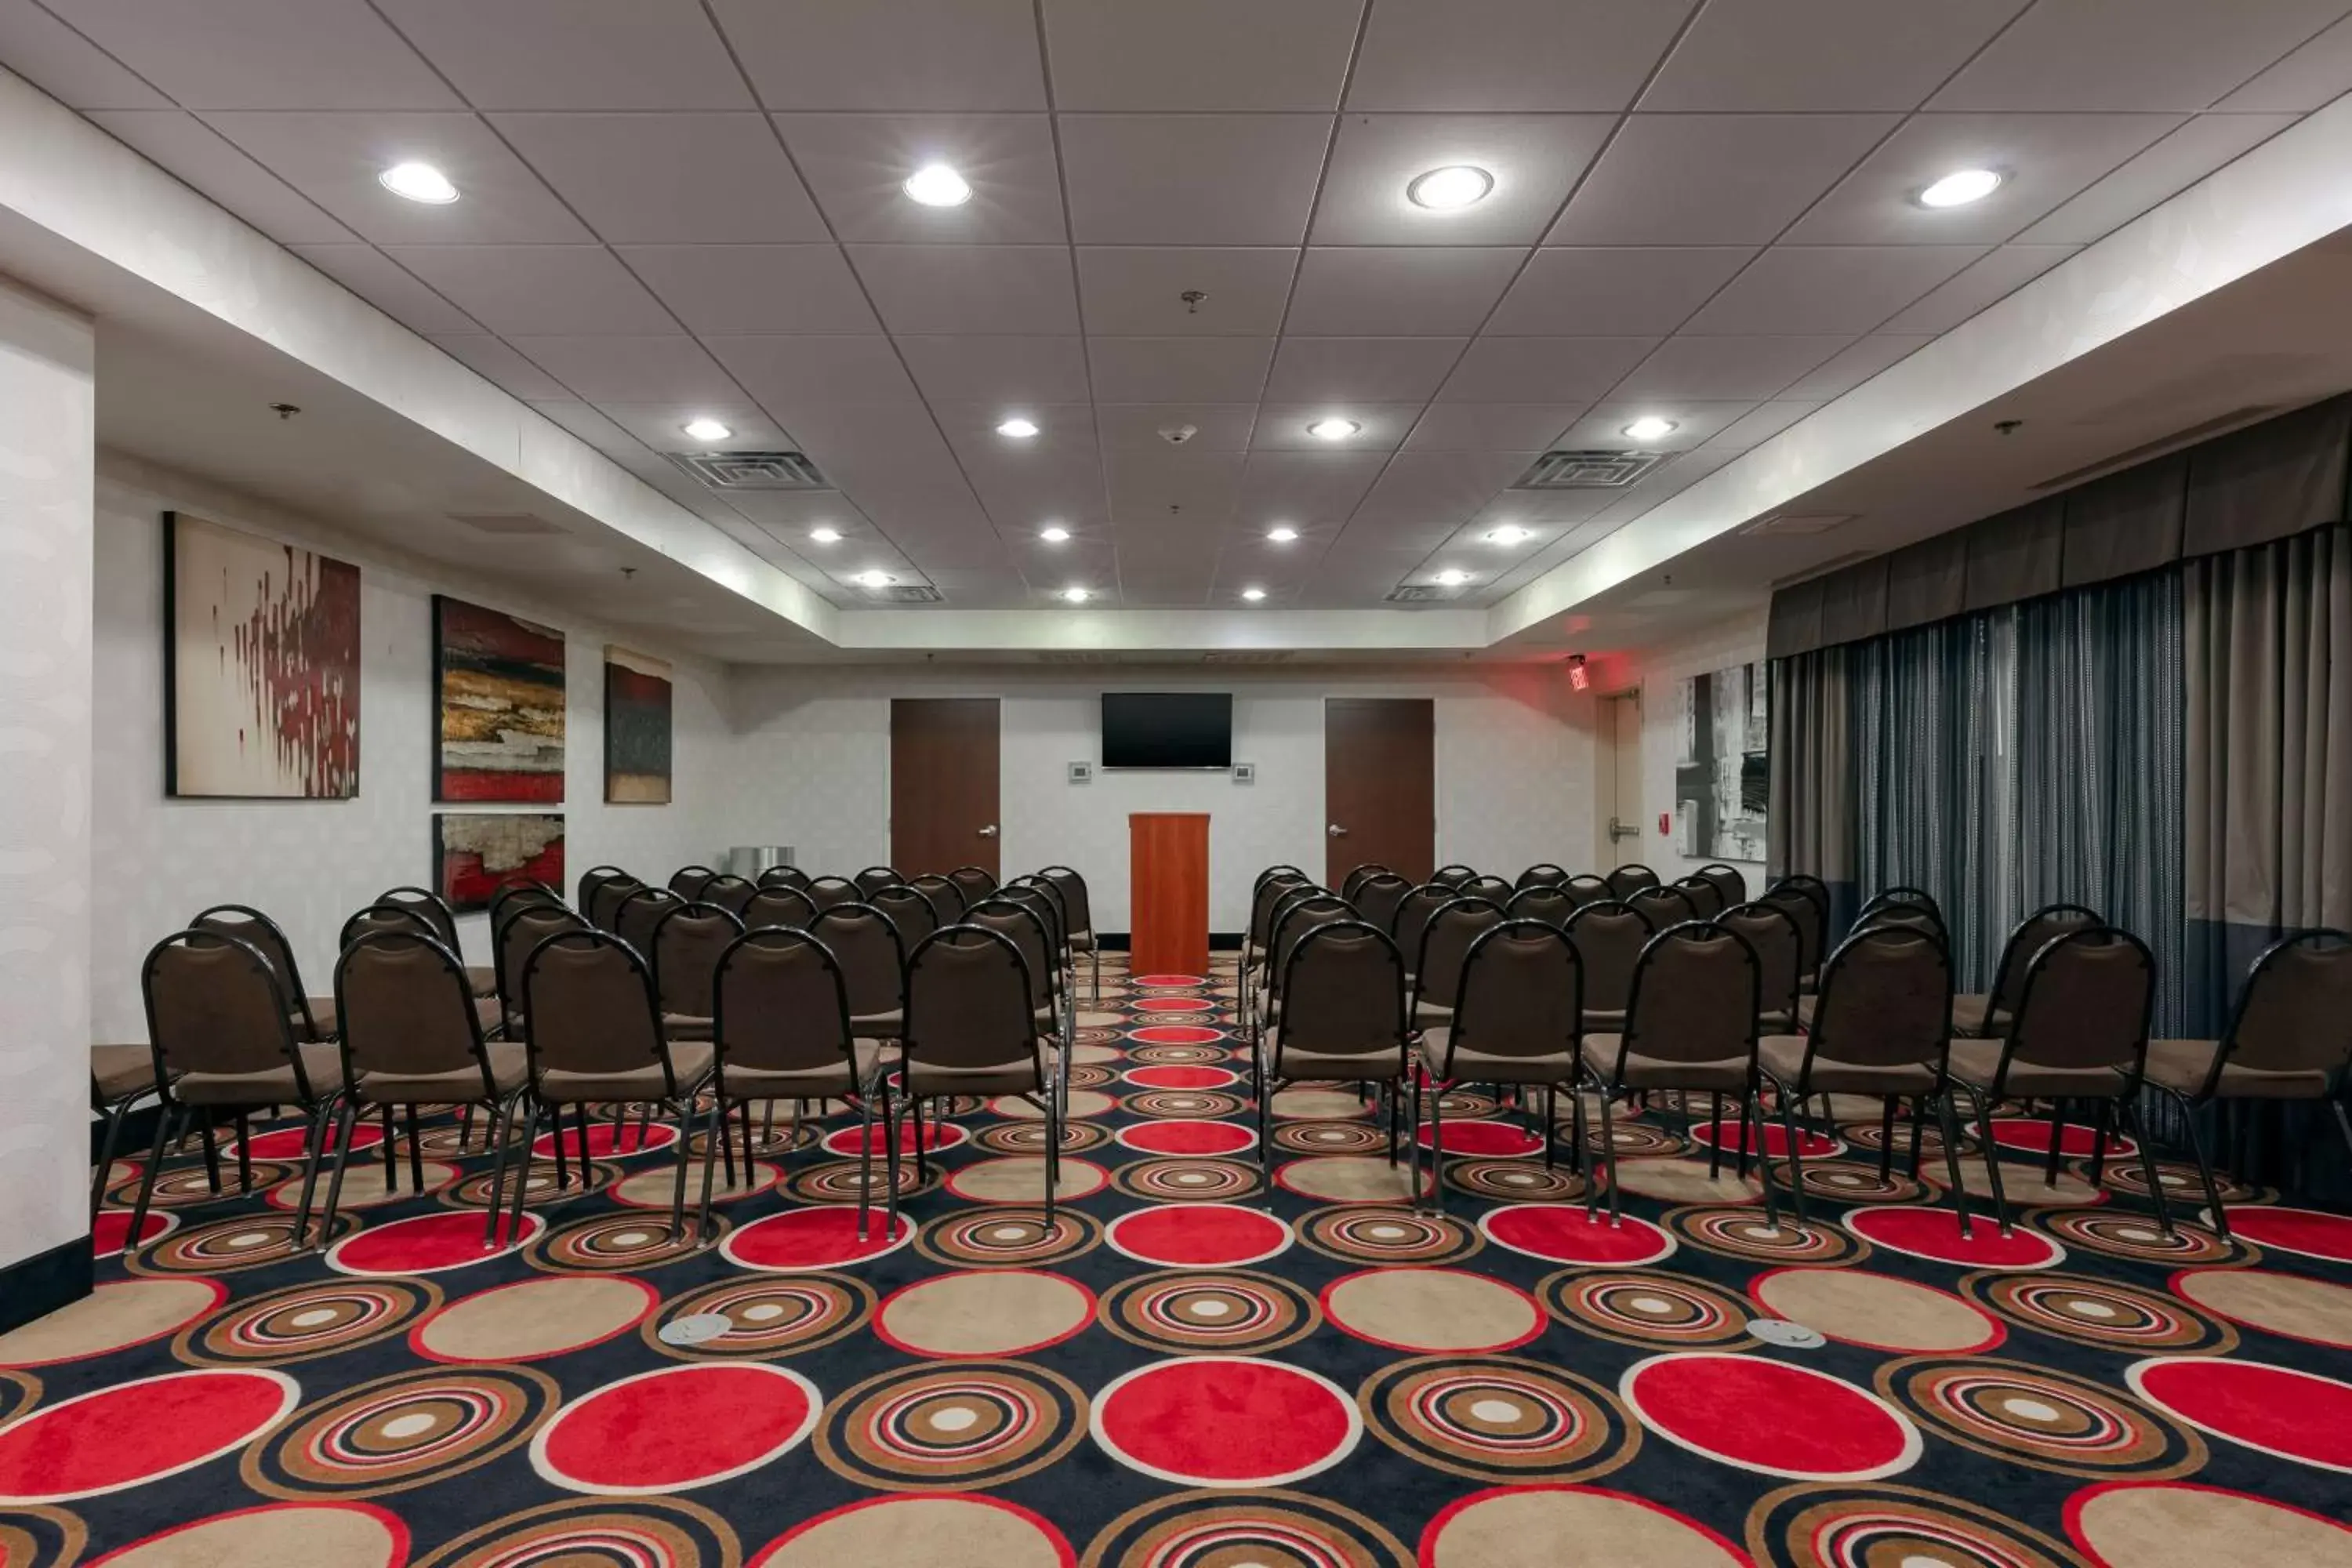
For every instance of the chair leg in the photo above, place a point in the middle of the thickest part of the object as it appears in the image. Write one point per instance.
(212, 1149)
(1714, 1147)
(147, 1178)
(2204, 1166)
(391, 1152)
(523, 1176)
(314, 1145)
(1947, 1124)
(2057, 1141)
(465, 1128)
(244, 1151)
(346, 1117)
(1919, 1132)
(1992, 1152)
(114, 1115)
(1752, 1110)
(864, 1160)
(1551, 1134)
(684, 1143)
(2126, 1112)
(1052, 1152)
(890, 1152)
(2343, 1122)
(501, 1113)
(1436, 1147)
(562, 1161)
(1789, 1127)
(1887, 1138)
(922, 1160)
(579, 1123)
(2102, 1119)
(415, 1153)
(1609, 1139)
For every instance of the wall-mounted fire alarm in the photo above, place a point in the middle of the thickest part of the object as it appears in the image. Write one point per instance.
(1082, 773)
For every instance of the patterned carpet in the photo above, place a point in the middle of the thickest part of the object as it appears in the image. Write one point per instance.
(1186, 1370)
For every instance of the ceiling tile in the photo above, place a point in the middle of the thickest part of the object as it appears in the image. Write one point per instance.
(1137, 290)
(1542, 370)
(495, 362)
(1725, 368)
(1306, 488)
(186, 147)
(1012, 372)
(547, 290)
(1570, 292)
(334, 159)
(1999, 273)
(660, 425)
(2313, 76)
(1712, 179)
(2156, 175)
(574, 54)
(1400, 290)
(1491, 427)
(954, 55)
(1796, 288)
(1806, 56)
(389, 287)
(1202, 55)
(659, 179)
(2046, 157)
(1338, 372)
(1762, 422)
(733, 289)
(2177, 55)
(788, 372)
(1065, 431)
(1849, 369)
(67, 66)
(1534, 159)
(1511, 54)
(1178, 370)
(1216, 427)
(1380, 426)
(856, 167)
(1695, 420)
(1145, 484)
(635, 370)
(999, 288)
(1422, 497)
(1192, 179)
(288, 54)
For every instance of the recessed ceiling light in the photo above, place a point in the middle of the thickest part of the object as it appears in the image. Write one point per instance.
(706, 429)
(418, 182)
(1253, 595)
(1456, 185)
(936, 186)
(827, 535)
(1333, 429)
(1019, 429)
(1960, 187)
(875, 579)
(1651, 427)
(1076, 596)
(1055, 535)
(1452, 578)
(1509, 534)
(1282, 535)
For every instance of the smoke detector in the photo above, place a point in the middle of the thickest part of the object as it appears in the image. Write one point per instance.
(1176, 435)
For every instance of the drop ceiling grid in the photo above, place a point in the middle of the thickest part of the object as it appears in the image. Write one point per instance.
(1775, 295)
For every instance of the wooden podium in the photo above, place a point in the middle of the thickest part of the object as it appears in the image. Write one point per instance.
(1168, 892)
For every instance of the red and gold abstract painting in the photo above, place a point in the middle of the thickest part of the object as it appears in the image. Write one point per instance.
(476, 853)
(637, 728)
(501, 684)
(262, 665)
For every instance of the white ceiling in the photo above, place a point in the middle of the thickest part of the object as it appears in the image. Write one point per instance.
(675, 209)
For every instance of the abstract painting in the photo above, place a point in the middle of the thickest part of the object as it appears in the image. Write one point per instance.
(475, 852)
(501, 684)
(637, 728)
(1724, 772)
(261, 654)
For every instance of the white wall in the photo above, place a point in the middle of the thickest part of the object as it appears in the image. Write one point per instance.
(1514, 767)
(1659, 672)
(47, 422)
(309, 863)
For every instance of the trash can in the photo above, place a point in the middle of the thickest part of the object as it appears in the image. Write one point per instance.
(748, 860)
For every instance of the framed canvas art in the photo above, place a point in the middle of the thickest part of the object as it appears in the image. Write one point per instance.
(637, 728)
(475, 852)
(499, 682)
(261, 667)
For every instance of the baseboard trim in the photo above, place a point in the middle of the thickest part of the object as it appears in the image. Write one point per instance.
(37, 1286)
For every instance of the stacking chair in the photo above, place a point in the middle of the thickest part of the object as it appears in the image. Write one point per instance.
(1690, 1026)
(687, 881)
(1080, 918)
(1516, 1020)
(1342, 1021)
(1987, 1013)
(777, 906)
(728, 891)
(1301, 912)
(686, 942)
(1265, 893)
(1376, 898)
(1728, 881)
(601, 904)
(1046, 899)
(596, 877)
(413, 1036)
(222, 1033)
(512, 896)
(974, 882)
(874, 879)
(1917, 916)
(782, 877)
(781, 1030)
(1902, 896)
(1882, 1029)
(971, 1028)
(1543, 874)
(2080, 1033)
(1451, 876)
(384, 917)
(434, 911)
(595, 1035)
(523, 929)
(945, 896)
(1486, 886)
(1773, 931)
(1031, 929)
(911, 915)
(1587, 888)
(1704, 898)
(1629, 879)
(1807, 903)
(639, 913)
(2290, 1039)
(1549, 902)
(1437, 969)
(1609, 938)
(1412, 916)
(1665, 906)
(120, 1078)
(314, 1018)
(866, 946)
(826, 891)
(1358, 875)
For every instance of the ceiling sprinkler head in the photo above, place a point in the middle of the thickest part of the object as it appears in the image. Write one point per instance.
(1176, 435)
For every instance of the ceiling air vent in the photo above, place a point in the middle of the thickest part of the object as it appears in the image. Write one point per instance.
(907, 594)
(1250, 656)
(1057, 655)
(1421, 593)
(504, 522)
(753, 471)
(1593, 470)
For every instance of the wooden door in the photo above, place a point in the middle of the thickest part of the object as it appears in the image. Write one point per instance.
(943, 774)
(1379, 785)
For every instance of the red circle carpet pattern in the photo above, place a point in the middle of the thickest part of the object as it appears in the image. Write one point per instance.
(1211, 1355)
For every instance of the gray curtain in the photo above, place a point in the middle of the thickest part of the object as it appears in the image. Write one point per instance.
(1809, 813)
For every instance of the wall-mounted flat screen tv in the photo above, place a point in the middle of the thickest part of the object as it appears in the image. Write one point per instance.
(1168, 730)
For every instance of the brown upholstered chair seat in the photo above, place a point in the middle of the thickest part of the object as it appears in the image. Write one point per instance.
(123, 1070)
(1472, 1065)
(509, 1068)
(1007, 1078)
(1808, 1009)
(1783, 1056)
(1976, 1015)
(834, 1081)
(1082, 940)
(323, 1063)
(684, 1027)
(1603, 1021)
(2184, 1066)
(1602, 1053)
(1975, 1063)
(323, 1012)
(689, 1059)
(887, 1025)
(1427, 1016)
(1777, 1022)
(482, 980)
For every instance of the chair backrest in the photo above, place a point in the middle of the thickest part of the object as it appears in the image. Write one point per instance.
(643, 910)
(1549, 902)
(602, 904)
(874, 879)
(779, 1004)
(1779, 947)
(728, 891)
(1025, 925)
(2032, 933)
(1522, 993)
(402, 1005)
(1911, 917)
(1609, 938)
(1446, 942)
(945, 896)
(1413, 912)
(1452, 876)
(1343, 996)
(1628, 879)
(1542, 874)
(1729, 880)
(593, 877)
(249, 925)
(381, 916)
(589, 1007)
(778, 906)
(1358, 875)
(826, 891)
(689, 881)
(1902, 894)
(1300, 916)
(1266, 897)
(2295, 1013)
(214, 1004)
(1587, 888)
(974, 882)
(522, 930)
(782, 877)
(1886, 999)
(1376, 898)
(512, 896)
(968, 1002)
(866, 946)
(1077, 909)
(686, 943)
(1047, 900)
(429, 907)
(1693, 997)
(1704, 898)
(2085, 1003)
(1812, 915)
(1484, 887)
(1665, 906)
(911, 914)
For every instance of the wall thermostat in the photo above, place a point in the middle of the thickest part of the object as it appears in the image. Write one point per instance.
(1244, 773)
(1082, 773)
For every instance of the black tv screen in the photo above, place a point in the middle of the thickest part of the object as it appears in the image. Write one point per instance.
(1168, 730)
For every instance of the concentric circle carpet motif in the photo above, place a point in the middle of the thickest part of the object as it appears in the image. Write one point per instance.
(1201, 1361)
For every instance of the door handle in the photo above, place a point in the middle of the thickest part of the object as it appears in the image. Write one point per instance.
(989, 831)
(1335, 831)
(1618, 829)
